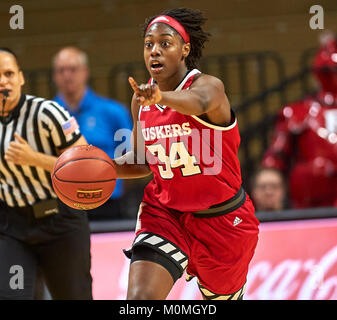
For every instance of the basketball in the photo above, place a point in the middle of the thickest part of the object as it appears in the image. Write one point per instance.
(84, 177)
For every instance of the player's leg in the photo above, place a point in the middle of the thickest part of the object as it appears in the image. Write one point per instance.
(209, 295)
(221, 262)
(157, 255)
(154, 269)
(149, 280)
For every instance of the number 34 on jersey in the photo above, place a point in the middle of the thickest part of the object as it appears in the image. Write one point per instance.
(178, 157)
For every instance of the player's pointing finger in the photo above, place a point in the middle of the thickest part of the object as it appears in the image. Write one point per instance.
(133, 85)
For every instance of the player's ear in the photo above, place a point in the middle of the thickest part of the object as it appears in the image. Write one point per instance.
(186, 50)
(21, 78)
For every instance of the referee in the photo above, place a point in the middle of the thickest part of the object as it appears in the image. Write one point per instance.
(37, 232)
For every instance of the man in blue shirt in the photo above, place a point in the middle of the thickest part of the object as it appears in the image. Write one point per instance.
(99, 118)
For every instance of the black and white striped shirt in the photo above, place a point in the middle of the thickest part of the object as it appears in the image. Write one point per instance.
(41, 123)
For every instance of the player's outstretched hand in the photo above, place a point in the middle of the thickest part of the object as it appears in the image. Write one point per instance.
(146, 94)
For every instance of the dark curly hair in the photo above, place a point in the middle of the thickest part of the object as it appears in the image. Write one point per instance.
(192, 20)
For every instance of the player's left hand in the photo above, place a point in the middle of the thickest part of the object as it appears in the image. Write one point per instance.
(146, 94)
(20, 152)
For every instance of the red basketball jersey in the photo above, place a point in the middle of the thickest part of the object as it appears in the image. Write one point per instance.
(194, 163)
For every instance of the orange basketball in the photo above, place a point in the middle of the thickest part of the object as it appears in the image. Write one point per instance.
(84, 177)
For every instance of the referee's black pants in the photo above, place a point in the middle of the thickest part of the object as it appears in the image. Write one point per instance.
(57, 245)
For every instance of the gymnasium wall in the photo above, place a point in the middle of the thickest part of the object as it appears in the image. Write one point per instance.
(108, 29)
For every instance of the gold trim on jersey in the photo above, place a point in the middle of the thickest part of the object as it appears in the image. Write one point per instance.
(216, 127)
(209, 295)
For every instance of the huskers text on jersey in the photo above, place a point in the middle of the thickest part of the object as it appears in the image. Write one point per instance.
(175, 146)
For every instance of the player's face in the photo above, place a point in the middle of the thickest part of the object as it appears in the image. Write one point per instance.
(165, 53)
(70, 74)
(11, 78)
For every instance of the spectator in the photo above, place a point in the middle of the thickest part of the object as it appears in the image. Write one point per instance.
(268, 190)
(99, 118)
(305, 138)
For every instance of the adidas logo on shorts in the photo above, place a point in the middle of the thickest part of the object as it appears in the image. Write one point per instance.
(236, 221)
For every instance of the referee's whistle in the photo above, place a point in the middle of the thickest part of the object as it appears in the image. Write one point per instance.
(5, 92)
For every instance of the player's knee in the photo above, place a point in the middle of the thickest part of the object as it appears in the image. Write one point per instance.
(141, 293)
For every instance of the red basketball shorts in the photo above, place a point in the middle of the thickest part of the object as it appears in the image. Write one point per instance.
(216, 250)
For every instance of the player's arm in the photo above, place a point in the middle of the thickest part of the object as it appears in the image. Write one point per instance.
(133, 164)
(206, 96)
(21, 153)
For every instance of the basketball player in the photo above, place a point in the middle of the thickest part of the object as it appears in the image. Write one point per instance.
(37, 232)
(195, 216)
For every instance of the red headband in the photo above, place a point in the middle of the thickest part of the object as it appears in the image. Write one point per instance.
(172, 23)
